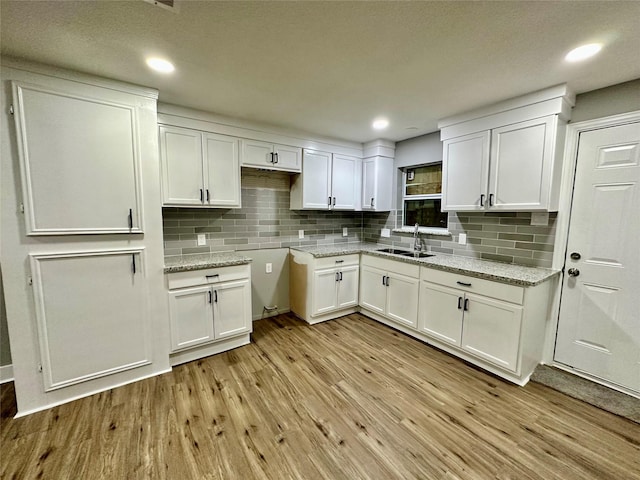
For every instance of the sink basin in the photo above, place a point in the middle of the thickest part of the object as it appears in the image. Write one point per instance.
(405, 253)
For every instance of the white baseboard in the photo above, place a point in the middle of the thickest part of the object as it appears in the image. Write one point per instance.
(6, 373)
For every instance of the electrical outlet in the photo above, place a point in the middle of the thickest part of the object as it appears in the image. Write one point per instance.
(385, 232)
(300, 233)
(202, 239)
(269, 267)
(462, 239)
(345, 232)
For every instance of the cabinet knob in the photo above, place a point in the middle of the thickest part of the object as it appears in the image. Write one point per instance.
(573, 272)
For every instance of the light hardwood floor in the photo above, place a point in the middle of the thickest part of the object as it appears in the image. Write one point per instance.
(346, 399)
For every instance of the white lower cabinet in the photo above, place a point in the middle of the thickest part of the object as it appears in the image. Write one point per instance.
(390, 288)
(440, 316)
(209, 306)
(323, 288)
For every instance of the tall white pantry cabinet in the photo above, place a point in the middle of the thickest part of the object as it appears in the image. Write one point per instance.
(81, 240)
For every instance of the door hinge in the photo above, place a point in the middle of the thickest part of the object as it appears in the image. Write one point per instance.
(40, 367)
(22, 208)
(11, 109)
(30, 281)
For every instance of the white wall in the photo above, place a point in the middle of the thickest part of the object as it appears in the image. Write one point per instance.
(620, 98)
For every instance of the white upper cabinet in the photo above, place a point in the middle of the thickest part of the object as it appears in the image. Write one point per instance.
(270, 156)
(327, 182)
(506, 157)
(377, 179)
(199, 169)
(79, 160)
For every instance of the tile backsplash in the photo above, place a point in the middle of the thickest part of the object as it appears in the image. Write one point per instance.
(265, 221)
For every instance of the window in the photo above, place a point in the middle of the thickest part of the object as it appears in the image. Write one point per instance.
(422, 197)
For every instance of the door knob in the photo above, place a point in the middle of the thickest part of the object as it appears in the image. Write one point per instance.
(573, 272)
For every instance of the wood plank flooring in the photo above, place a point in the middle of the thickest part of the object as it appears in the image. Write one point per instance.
(345, 399)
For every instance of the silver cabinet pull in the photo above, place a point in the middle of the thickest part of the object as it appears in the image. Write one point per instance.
(272, 157)
(387, 282)
(383, 280)
(133, 262)
(130, 219)
(201, 196)
(466, 305)
(340, 276)
(491, 199)
(276, 155)
(210, 297)
(207, 195)
(482, 199)
(329, 201)
(459, 303)
(337, 277)
(215, 294)
(334, 201)
(371, 202)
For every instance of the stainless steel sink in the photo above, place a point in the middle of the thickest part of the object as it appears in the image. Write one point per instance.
(405, 253)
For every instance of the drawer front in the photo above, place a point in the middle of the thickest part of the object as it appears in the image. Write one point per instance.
(207, 276)
(480, 286)
(337, 261)
(392, 266)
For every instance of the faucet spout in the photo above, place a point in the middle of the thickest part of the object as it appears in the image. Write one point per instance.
(416, 239)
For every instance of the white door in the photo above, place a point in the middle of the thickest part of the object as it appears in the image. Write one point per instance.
(465, 170)
(402, 299)
(316, 189)
(191, 317)
(599, 325)
(325, 291)
(257, 154)
(373, 291)
(232, 309)
(344, 182)
(368, 184)
(221, 170)
(92, 313)
(441, 312)
(348, 287)
(521, 160)
(79, 160)
(288, 158)
(181, 160)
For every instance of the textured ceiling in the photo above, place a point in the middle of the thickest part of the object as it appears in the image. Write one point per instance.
(331, 67)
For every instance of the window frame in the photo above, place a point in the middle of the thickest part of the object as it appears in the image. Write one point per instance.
(430, 196)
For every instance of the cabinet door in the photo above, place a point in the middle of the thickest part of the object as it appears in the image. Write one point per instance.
(288, 158)
(92, 314)
(373, 291)
(256, 154)
(191, 317)
(348, 287)
(377, 180)
(316, 188)
(79, 160)
(325, 291)
(465, 169)
(181, 160)
(368, 184)
(521, 164)
(491, 330)
(232, 308)
(402, 299)
(441, 312)
(344, 184)
(221, 170)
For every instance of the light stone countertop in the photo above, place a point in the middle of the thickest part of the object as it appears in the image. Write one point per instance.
(200, 261)
(487, 269)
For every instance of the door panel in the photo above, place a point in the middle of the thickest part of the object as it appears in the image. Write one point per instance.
(256, 153)
(317, 180)
(402, 299)
(368, 184)
(92, 314)
(288, 158)
(232, 309)
(348, 287)
(465, 169)
(343, 182)
(191, 317)
(439, 314)
(598, 329)
(181, 157)
(373, 293)
(221, 170)
(325, 291)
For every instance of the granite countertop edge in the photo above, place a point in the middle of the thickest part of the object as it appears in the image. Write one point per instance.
(201, 261)
(486, 269)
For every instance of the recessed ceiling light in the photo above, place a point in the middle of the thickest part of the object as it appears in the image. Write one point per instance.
(583, 52)
(160, 65)
(380, 123)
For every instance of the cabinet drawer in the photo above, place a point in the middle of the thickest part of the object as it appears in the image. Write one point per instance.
(209, 275)
(500, 291)
(337, 261)
(394, 266)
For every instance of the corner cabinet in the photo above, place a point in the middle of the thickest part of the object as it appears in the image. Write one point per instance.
(210, 311)
(270, 156)
(79, 159)
(323, 288)
(327, 182)
(377, 184)
(505, 158)
(199, 169)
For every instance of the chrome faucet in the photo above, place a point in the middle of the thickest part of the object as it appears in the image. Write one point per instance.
(416, 240)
